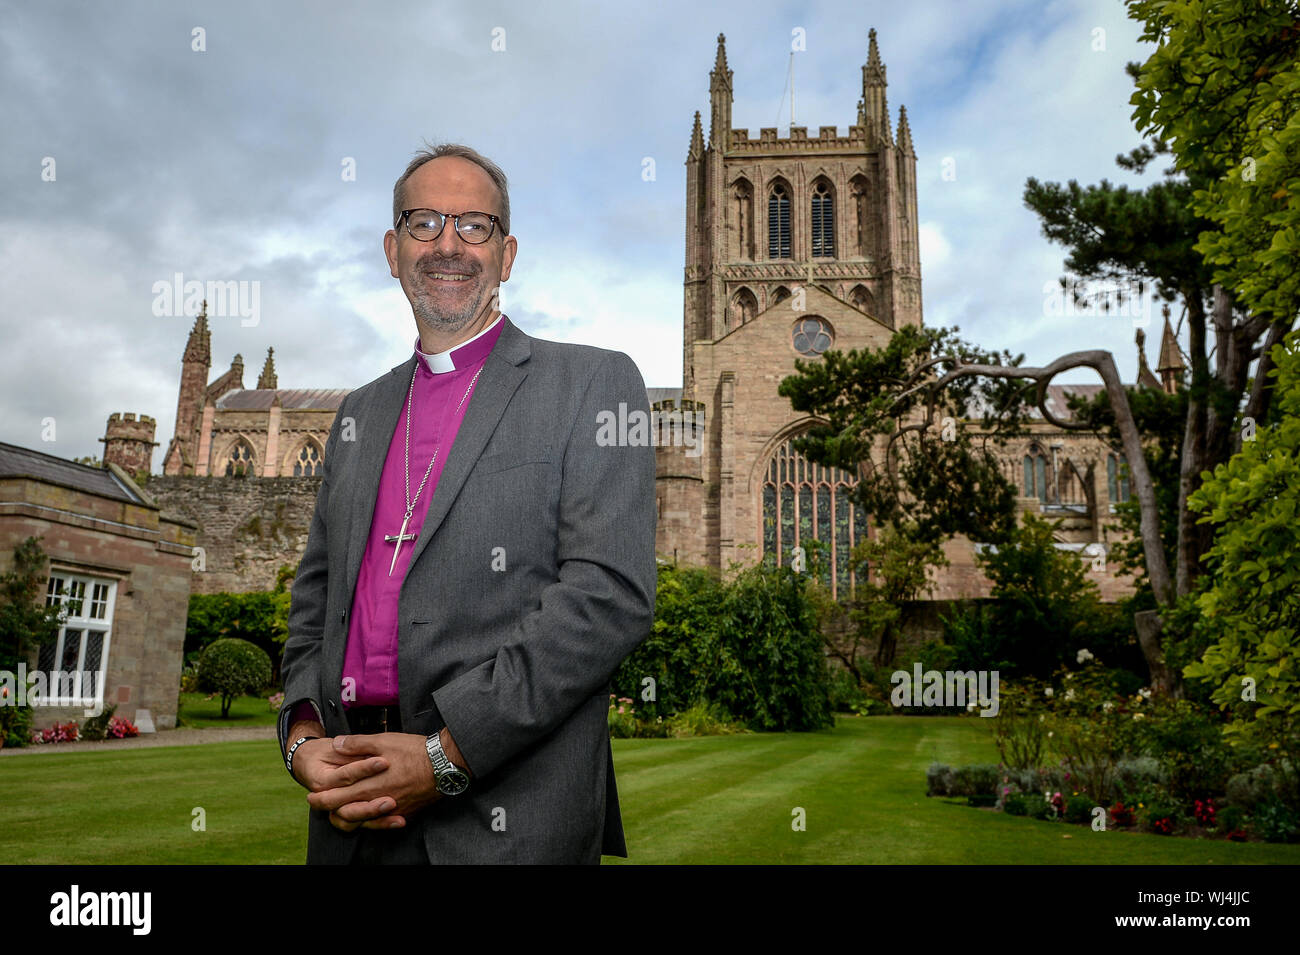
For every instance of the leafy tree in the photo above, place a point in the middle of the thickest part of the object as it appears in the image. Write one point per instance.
(750, 645)
(259, 617)
(1222, 88)
(1221, 91)
(1252, 604)
(232, 668)
(899, 563)
(25, 621)
(927, 473)
(1044, 608)
(768, 644)
(686, 606)
(1161, 419)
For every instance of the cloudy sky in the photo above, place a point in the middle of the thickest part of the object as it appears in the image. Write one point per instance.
(227, 163)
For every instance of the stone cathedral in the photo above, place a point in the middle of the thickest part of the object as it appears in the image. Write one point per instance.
(794, 245)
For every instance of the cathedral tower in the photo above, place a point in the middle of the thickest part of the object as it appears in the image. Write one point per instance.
(794, 245)
(766, 216)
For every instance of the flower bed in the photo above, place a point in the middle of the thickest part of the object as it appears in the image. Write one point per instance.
(1081, 752)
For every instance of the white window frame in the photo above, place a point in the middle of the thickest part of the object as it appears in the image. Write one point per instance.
(80, 620)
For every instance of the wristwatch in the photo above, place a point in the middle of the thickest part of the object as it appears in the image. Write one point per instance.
(452, 780)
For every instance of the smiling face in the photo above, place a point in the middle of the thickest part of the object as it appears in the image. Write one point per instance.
(450, 284)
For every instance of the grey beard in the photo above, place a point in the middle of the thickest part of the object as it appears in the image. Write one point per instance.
(430, 314)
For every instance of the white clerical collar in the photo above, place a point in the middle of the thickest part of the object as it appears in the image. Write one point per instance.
(441, 362)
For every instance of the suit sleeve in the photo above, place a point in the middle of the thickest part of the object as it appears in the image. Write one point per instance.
(300, 668)
(600, 607)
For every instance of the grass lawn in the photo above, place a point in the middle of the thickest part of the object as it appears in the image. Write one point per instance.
(710, 799)
(198, 712)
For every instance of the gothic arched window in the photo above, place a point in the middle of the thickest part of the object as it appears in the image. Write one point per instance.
(308, 462)
(861, 299)
(743, 209)
(804, 502)
(778, 222)
(239, 462)
(1035, 474)
(861, 216)
(1117, 478)
(743, 308)
(823, 222)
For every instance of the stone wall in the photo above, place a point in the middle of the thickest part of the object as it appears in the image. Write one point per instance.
(248, 527)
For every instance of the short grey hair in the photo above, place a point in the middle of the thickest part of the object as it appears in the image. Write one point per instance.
(430, 153)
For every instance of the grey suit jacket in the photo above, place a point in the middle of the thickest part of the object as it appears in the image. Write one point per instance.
(515, 662)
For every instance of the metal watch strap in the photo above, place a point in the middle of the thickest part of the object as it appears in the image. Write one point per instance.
(288, 757)
(433, 744)
(442, 765)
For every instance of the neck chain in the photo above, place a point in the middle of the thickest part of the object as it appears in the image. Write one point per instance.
(401, 535)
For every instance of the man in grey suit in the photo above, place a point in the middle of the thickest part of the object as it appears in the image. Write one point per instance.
(454, 628)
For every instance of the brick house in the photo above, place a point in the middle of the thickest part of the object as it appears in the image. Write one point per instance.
(121, 569)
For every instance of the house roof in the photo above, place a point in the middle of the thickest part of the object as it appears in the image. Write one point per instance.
(290, 399)
(22, 462)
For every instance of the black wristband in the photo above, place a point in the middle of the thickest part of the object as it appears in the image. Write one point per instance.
(288, 757)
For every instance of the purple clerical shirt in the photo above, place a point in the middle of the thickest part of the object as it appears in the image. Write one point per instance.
(441, 382)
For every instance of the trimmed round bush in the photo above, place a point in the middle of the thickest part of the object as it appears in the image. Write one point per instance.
(233, 667)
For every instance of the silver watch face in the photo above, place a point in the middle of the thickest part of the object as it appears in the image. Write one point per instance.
(453, 782)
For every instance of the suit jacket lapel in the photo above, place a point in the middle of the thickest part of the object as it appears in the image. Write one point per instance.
(498, 381)
(376, 424)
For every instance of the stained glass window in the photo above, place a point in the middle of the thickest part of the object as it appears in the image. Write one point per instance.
(804, 502)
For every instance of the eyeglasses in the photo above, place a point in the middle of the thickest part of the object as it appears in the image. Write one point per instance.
(427, 224)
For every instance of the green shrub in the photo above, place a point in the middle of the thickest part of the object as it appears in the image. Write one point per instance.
(938, 780)
(622, 718)
(1255, 786)
(768, 658)
(847, 695)
(703, 719)
(1232, 819)
(686, 614)
(1040, 808)
(1044, 609)
(1191, 748)
(96, 727)
(1161, 815)
(1078, 809)
(1275, 821)
(261, 618)
(1017, 804)
(978, 780)
(16, 725)
(1135, 777)
(1019, 729)
(982, 800)
(232, 668)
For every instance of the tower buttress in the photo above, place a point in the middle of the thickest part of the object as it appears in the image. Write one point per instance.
(873, 113)
(182, 451)
(720, 96)
(696, 261)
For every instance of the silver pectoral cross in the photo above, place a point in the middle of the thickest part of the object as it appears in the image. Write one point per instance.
(397, 539)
